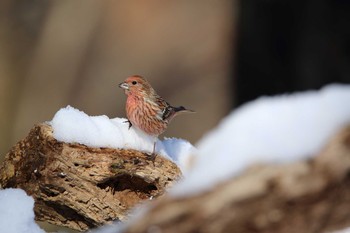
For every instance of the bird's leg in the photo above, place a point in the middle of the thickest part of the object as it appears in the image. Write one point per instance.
(154, 147)
(130, 124)
(153, 155)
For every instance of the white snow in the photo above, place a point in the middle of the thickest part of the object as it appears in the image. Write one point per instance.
(73, 126)
(16, 212)
(180, 151)
(276, 129)
(346, 230)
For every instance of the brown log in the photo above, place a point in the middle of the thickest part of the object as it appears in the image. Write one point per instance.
(307, 196)
(81, 187)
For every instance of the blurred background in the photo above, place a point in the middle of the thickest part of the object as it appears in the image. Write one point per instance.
(210, 56)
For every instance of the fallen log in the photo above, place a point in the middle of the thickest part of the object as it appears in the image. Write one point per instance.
(306, 196)
(81, 187)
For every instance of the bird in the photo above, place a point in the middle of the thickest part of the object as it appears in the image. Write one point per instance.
(146, 110)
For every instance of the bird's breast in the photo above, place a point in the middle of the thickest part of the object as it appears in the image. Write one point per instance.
(143, 114)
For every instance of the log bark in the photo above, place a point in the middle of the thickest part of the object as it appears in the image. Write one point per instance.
(307, 196)
(81, 187)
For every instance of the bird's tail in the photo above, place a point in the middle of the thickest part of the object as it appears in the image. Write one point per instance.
(182, 109)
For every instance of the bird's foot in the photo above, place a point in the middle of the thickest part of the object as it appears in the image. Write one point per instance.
(130, 124)
(152, 157)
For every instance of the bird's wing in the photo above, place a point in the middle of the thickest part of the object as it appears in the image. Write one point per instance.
(166, 110)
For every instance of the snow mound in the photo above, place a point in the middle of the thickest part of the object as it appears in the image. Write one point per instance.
(16, 212)
(276, 129)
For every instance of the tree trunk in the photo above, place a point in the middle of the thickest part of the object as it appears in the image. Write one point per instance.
(81, 187)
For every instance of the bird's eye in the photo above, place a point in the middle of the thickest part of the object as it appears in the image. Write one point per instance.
(134, 82)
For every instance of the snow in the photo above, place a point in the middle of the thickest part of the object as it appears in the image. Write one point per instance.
(277, 129)
(346, 230)
(71, 125)
(183, 154)
(16, 212)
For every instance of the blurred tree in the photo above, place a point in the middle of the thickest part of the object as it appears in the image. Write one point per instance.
(64, 52)
(20, 26)
(286, 46)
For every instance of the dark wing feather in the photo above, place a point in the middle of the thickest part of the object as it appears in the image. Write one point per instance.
(166, 110)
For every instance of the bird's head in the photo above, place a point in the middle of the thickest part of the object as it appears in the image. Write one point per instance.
(136, 85)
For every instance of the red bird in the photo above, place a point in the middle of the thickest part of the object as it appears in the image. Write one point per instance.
(145, 109)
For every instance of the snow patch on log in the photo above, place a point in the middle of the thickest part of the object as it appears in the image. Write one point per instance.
(71, 125)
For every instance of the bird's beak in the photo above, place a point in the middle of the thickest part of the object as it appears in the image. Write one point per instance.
(124, 86)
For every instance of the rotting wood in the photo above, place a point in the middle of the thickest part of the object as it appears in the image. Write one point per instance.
(306, 196)
(81, 187)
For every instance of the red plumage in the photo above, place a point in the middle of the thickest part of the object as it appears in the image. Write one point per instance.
(145, 109)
